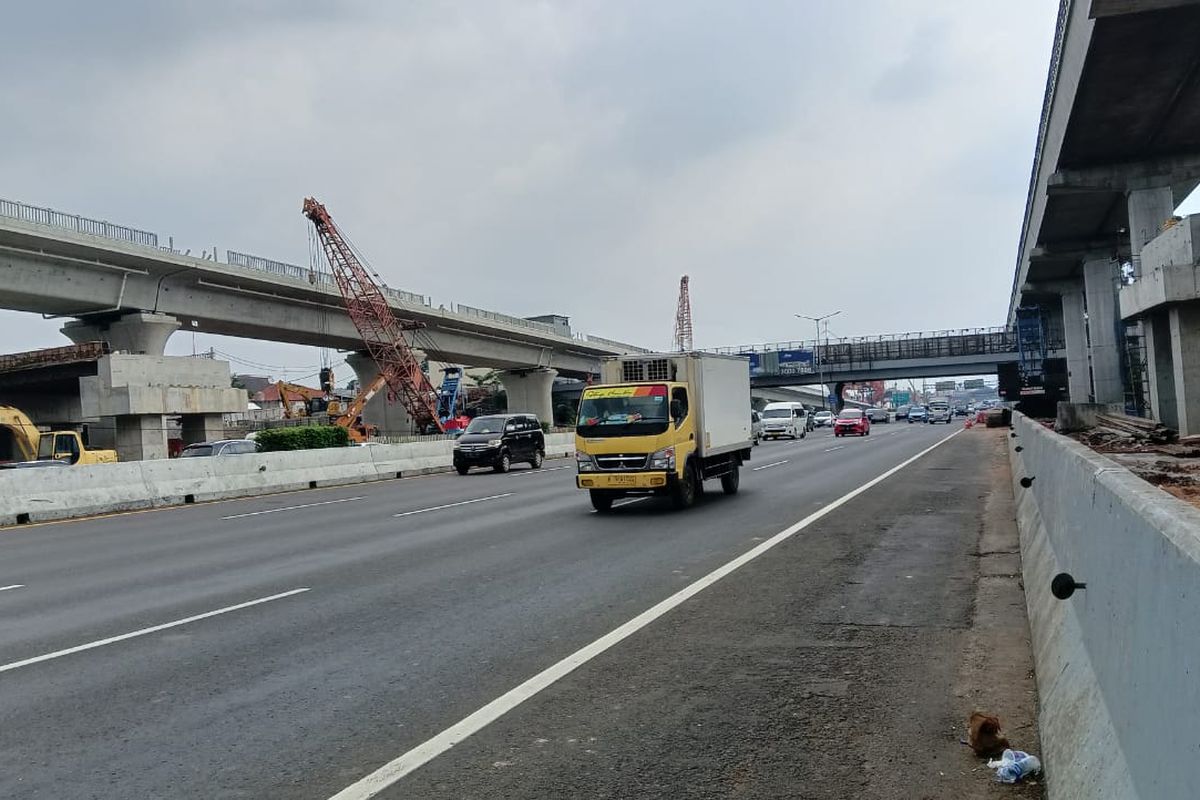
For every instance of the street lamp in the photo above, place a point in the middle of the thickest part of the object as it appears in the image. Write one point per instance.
(820, 365)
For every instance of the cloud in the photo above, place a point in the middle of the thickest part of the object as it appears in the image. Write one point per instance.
(536, 157)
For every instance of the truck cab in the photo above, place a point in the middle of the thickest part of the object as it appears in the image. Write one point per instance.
(682, 423)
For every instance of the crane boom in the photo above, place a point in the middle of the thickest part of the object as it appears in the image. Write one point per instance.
(381, 332)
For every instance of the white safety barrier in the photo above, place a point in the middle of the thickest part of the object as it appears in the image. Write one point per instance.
(39, 495)
(1116, 662)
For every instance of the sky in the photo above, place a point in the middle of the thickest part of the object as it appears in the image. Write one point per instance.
(576, 158)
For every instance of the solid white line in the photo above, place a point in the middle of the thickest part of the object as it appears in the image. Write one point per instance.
(145, 631)
(453, 505)
(14, 586)
(292, 508)
(536, 471)
(768, 466)
(629, 502)
(393, 771)
(831, 449)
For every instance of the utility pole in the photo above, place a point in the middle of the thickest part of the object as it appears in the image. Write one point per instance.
(816, 344)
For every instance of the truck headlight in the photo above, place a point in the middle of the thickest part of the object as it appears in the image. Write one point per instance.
(584, 462)
(663, 459)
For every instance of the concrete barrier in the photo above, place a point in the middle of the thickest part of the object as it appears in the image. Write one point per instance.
(1115, 663)
(39, 495)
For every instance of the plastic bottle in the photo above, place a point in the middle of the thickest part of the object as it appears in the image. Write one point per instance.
(1015, 765)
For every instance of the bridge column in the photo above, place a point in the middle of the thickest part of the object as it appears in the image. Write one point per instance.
(140, 437)
(529, 390)
(839, 402)
(1148, 210)
(1160, 368)
(389, 418)
(1100, 285)
(140, 333)
(202, 428)
(1079, 375)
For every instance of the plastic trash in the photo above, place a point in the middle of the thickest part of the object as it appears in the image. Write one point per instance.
(1014, 766)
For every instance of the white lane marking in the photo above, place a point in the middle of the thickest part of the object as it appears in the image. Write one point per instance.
(423, 753)
(146, 631)
(768, 466)
(831, 449)
(453, 505)
(14, 586)
(292, 508)
(536, 471)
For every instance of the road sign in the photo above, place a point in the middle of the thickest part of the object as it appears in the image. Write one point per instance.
(973, 383)
(901, 398)
(945, 386)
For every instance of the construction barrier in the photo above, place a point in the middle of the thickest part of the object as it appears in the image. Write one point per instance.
(1114, 661)
(39, 495)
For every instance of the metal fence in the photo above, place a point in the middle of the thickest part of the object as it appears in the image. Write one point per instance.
(314, 277)
(493, 316)
(93, 227)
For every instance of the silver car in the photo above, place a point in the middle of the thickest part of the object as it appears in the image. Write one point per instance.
(756, 427)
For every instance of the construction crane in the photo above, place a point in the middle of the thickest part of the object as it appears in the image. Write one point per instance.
(683, 318)
(381, 332)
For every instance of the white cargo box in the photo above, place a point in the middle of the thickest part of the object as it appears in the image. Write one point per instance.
(719, 396)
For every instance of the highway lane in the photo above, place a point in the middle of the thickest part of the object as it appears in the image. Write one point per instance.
(409, 622)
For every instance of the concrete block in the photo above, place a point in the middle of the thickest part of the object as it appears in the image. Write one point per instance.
(1113, 662)
(1081, 416)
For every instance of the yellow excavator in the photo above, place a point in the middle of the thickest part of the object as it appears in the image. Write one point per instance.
(20, 440)
(348, 415)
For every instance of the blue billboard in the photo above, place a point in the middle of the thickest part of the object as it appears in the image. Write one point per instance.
(795, 361)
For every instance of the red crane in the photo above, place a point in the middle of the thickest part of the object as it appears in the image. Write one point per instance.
(683, 318)
(381, 332)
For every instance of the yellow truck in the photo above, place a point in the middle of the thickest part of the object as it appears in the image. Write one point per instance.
(21, 441)
(662, 424)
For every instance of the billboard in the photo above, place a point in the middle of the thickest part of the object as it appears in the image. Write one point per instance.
(973, 383)
(901, 398)
(756, 362)
(795, 361)
(945, 386)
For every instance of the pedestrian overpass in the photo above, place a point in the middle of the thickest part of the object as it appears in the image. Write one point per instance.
(928, 354)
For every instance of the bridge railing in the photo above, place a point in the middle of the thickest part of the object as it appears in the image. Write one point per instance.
(315, 277)
(495, 316)
(58, 219)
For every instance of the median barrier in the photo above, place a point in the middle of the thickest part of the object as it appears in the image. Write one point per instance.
(1114, 662)
(39, 495)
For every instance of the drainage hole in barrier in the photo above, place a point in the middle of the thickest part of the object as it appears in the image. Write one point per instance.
(22, 519)
(399, 474)
(312, 484)
(189, 498)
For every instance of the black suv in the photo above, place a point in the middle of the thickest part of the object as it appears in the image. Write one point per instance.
(499, 440)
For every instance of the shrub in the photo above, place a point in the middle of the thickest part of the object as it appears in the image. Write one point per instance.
(307, 437)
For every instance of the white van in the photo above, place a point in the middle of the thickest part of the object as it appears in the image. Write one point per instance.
(784, 419)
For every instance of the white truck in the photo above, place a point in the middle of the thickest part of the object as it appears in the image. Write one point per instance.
(661, 424)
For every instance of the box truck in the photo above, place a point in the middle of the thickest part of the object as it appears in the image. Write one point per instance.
(662, 424)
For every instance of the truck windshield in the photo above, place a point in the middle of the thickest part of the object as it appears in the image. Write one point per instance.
(624, 411)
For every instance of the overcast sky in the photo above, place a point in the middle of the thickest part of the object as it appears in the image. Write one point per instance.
(573, 157)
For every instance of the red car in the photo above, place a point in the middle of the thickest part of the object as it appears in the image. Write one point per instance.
(852, 420)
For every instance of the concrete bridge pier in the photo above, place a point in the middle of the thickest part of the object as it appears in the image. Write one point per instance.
(529, 390)
(140, 333)
(1100, 285)
(391, 418)
(202, 428)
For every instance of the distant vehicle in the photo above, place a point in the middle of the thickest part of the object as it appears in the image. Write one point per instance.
(902, 412)
(917, 414)
(223, 447)
(852, 420)
(756, 427)
(961, 410)
(20, 440)
(785, 419)
(823, 419)
(939, 411)
(497, 441)
(879, 415)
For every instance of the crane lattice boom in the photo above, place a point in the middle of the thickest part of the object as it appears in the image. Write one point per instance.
(683, 318)
(381, 332)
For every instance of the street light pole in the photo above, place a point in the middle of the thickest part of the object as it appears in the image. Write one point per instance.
(817, 343)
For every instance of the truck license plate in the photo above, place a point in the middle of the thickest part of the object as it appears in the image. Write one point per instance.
(623, 480)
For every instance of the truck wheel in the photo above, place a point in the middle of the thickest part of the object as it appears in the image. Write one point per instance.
(601, 500)
(503, 464)
(538, 458)
(683, 495)
(462, 469)
(730, 480)
(803, 433)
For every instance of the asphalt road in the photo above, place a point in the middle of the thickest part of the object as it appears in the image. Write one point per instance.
(356, 623)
